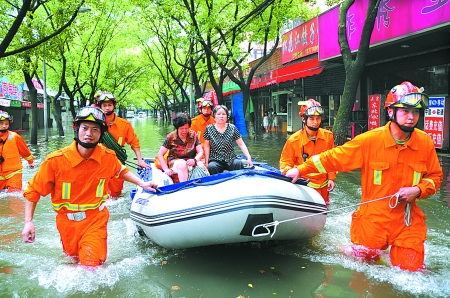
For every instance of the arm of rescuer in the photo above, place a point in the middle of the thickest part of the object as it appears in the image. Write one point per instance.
(24, 151)
(132, 139)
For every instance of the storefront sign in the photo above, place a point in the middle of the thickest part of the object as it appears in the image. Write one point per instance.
(10, 91)
(374, 111)
(300, 42)
(15, 103)
(395, 18)
(434, 120)
(26, 104)
(5, 102)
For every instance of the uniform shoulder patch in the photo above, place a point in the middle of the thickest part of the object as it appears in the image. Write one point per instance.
(57, 153)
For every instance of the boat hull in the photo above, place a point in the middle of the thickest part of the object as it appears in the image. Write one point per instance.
(226, 208)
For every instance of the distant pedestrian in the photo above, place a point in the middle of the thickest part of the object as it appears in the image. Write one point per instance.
(275, 122)
(266, 122)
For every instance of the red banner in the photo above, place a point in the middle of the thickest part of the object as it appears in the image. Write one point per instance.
(301, 41)
(374, 111)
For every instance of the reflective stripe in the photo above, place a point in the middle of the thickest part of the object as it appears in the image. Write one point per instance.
(10, 175)
(100, 188)
(318, 164)
(29, 157)
(120, 141)
(121, 169)
(315, 185)
(416, 178)
(65, 191)
(431, 181)
(377, 177)
(78, 207)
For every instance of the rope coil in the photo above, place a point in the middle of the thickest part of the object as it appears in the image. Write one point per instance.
(112, 144)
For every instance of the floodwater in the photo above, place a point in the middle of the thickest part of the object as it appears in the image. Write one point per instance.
(136, 267)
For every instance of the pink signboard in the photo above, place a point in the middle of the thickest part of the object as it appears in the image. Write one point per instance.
(434, 120)
(374, 111)
(395, 18)
(300, 42)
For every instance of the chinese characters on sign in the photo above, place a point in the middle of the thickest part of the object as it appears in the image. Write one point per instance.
(434, 120)
(300, 42)
(374, 111)
(10, 91)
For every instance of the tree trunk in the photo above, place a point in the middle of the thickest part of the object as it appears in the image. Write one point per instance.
(354, 66)
(344, 114)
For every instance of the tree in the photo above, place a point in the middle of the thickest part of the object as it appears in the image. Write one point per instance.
(21, 23)
(354, 65)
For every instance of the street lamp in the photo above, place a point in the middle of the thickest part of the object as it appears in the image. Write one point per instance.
(44, 75)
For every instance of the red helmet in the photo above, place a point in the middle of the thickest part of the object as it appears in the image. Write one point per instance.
(105, 96)
(310, 107)
(5, 116)
(406, 95)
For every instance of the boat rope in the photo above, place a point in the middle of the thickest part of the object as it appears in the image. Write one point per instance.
(200, 182)
(274, 224)
(112, 144)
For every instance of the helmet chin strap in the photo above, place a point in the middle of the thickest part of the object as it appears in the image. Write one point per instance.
(3, 130)
(312, 128)
(402, 127)
(305, 120)
(86, 145)
(109, 113)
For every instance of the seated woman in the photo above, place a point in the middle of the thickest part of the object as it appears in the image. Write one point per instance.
(219, 144)
(185, 149)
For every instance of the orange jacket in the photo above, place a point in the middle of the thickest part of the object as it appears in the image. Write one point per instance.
(385, 166)
(13, 147)
(122, 130)
(299, 144)
(199, 125)
(75, 184)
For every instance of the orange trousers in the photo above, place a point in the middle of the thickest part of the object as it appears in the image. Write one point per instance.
(325, 194)
(12, 184)
(85, 240)
(378, 228)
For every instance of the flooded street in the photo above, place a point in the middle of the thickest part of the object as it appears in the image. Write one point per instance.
(138, 268)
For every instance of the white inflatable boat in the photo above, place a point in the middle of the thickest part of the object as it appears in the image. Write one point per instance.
(256, 204)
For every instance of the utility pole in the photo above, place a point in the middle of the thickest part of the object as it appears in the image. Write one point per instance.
(45, 101)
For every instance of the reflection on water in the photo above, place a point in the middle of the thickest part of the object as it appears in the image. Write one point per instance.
(138, 268)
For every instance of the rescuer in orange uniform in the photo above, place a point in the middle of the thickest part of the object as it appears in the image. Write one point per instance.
(201, 121)
(309, 141)
(12, 147)
(398, 165)
(77, 177)
(123, 132)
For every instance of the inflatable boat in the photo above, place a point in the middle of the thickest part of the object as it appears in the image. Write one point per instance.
(256, 204)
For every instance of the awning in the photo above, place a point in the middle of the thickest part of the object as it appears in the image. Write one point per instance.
(288, 73)
(299, 70)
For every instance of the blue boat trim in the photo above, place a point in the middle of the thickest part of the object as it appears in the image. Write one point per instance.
(219, 178)
(228, 207)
